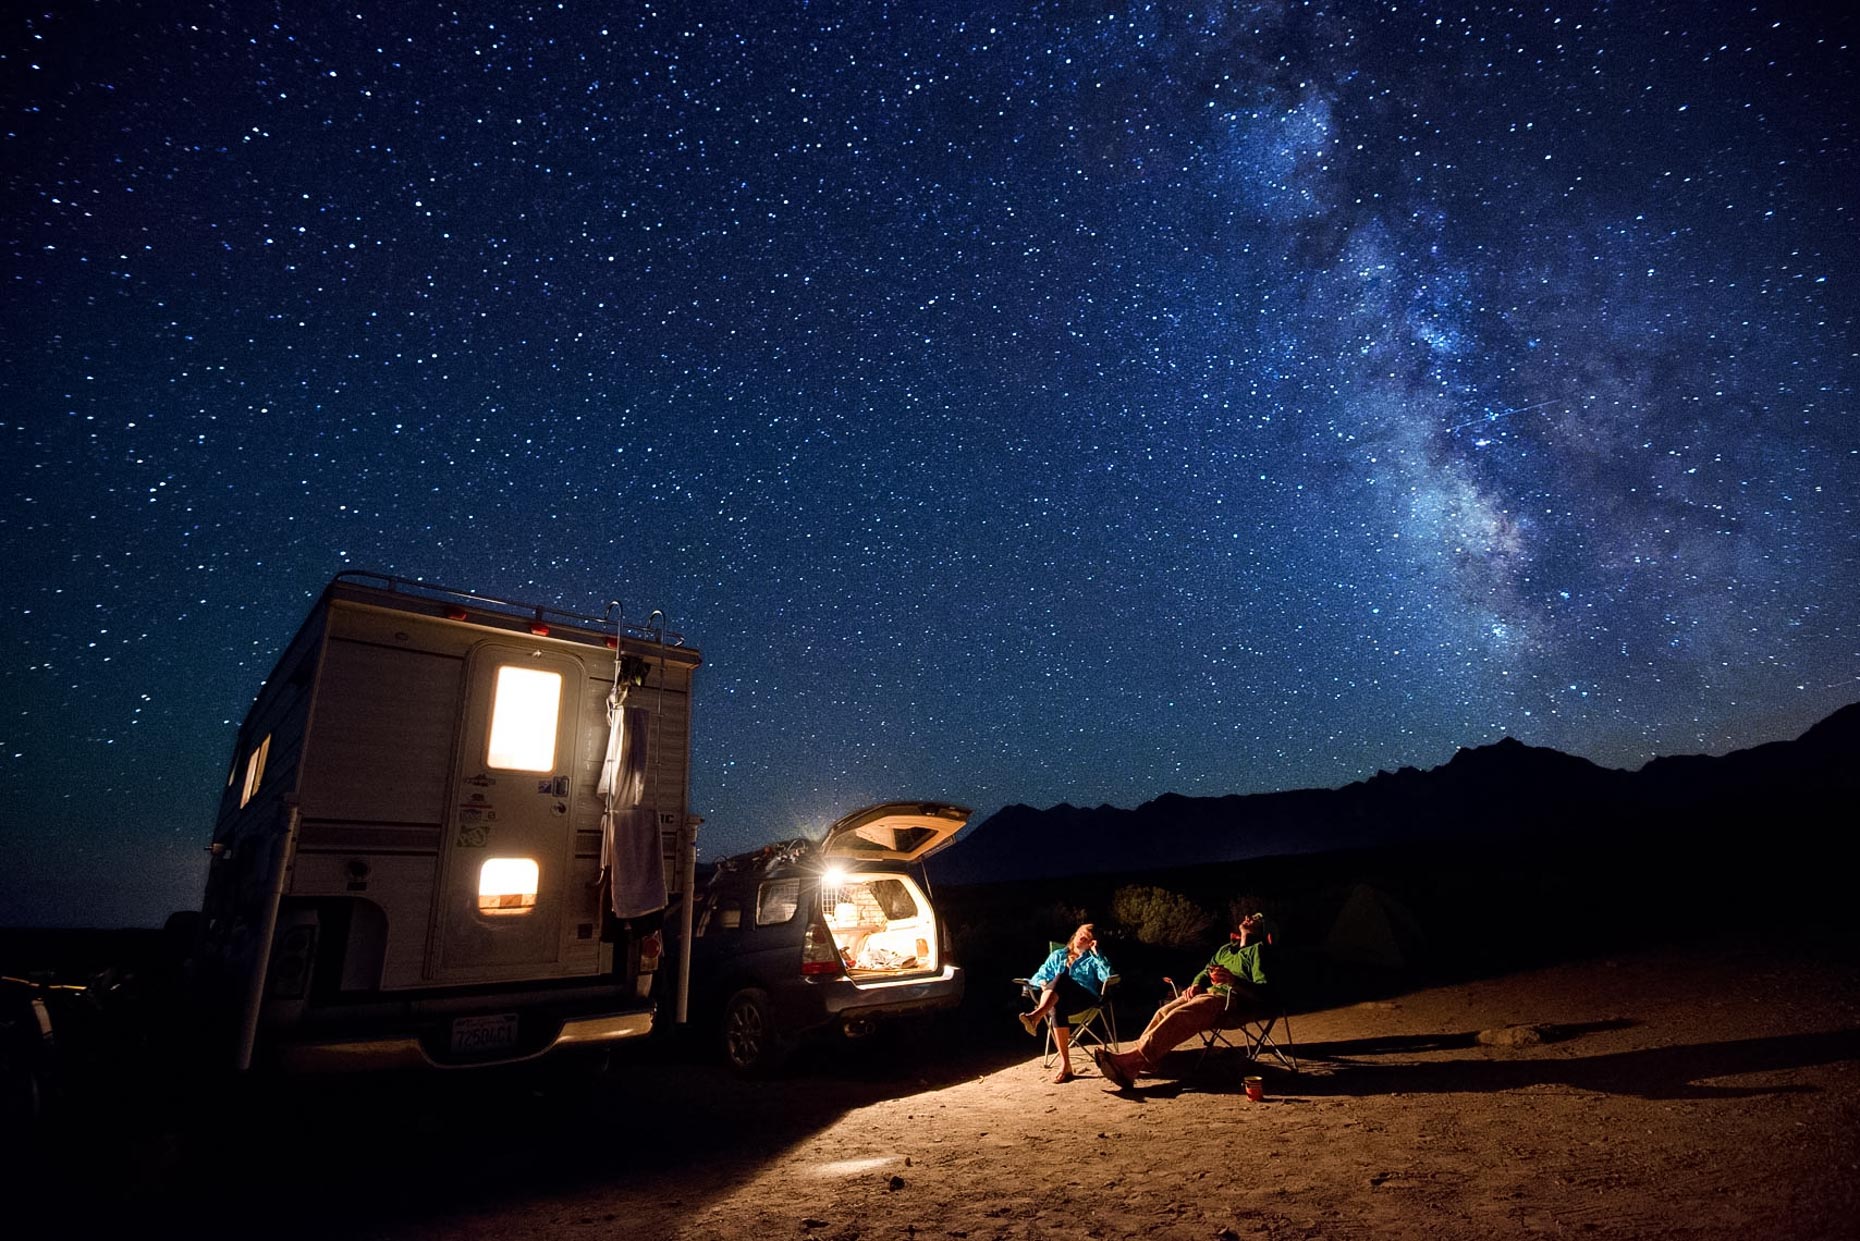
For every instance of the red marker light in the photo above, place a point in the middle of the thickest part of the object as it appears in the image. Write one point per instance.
(457, 614)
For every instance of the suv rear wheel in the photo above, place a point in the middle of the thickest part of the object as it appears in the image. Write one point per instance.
(749, 1044)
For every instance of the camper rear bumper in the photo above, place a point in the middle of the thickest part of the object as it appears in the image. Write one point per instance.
(348, 1055)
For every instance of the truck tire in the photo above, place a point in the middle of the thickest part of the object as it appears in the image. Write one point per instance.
(750, 1045)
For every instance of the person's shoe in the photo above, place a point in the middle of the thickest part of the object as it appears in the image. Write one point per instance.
(1113, 1071)
(1030, 1024)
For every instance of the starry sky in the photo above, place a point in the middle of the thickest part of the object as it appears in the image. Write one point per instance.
(1015, 403)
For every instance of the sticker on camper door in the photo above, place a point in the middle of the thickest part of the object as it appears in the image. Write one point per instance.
(555, 786)
(475, 819)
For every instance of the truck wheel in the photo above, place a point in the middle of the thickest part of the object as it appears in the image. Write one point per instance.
(749, 1044)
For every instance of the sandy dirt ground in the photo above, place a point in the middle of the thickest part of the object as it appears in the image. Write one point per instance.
(1676, 1093)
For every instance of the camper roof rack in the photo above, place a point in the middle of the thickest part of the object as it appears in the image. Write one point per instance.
(537, 612)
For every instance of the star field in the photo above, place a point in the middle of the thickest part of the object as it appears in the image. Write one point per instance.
(1014, 403)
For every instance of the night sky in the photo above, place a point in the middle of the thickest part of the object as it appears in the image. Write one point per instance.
(1014, 403)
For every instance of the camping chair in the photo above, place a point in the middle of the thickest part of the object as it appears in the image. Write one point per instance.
(1089, 1026)
(1271, 1033)
(1263, 1031)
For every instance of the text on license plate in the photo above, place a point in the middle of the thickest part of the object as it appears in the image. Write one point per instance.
(497, 1032)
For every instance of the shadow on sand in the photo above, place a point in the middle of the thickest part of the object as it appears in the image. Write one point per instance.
(1684, 1071)
(382, 1154)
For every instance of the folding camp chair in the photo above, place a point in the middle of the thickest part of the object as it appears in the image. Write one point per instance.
(1271, 1033)
(1089, 1026)
(1260, 1034)
(1264, 1027)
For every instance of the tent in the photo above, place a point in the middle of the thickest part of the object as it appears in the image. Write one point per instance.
(1373, 928)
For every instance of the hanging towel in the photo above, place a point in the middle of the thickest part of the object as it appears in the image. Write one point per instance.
(631, 855)
(623, 774)
(630, 852)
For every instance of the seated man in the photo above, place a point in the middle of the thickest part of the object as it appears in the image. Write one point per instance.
(1226, 991)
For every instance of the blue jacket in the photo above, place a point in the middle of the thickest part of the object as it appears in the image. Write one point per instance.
(1089, 971)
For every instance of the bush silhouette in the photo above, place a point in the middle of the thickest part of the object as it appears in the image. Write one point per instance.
(1161, 918)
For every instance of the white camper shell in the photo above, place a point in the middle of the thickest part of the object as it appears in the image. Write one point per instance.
(450, 833)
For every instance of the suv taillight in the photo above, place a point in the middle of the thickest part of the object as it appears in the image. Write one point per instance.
(651, 948)
(819, 954)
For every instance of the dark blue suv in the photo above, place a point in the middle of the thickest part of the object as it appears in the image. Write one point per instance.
(804, 937)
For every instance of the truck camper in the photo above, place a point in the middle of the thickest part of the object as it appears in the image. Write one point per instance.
(453, 833)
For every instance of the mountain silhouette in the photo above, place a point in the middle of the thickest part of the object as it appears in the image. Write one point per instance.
(1503, 793)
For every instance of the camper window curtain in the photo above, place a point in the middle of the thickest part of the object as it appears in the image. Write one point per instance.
(630, 853)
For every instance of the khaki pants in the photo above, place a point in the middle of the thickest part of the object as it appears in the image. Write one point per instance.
(1181, 1019)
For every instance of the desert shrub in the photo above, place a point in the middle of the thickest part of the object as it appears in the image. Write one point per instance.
(1008, 936)
(1160, 918)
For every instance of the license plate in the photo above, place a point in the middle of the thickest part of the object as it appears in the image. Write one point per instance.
(497, 1032)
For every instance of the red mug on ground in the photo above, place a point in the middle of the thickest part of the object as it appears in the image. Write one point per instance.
(1255, 1088)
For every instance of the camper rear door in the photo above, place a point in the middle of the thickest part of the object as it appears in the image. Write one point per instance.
(509, 838)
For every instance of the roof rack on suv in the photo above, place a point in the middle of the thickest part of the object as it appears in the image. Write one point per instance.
(765, 858)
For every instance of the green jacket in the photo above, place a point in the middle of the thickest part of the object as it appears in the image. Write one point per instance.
(1242, 962)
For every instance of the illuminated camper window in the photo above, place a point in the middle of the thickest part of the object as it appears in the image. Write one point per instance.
(254, 770)
(507, 885)
(523, 716)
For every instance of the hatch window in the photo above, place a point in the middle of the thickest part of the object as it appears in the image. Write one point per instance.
(524, 712)
(507, 885)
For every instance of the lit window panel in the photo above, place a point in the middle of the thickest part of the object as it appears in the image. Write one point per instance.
(523, 718)
(255, 770)
(507, 885)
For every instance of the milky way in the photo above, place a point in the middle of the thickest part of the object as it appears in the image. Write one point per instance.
(1073, 403)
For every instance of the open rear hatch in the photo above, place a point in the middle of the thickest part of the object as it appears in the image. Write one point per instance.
(881, 919)
(893, 831)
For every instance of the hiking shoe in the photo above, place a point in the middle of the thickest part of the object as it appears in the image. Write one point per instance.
(1111, 1070)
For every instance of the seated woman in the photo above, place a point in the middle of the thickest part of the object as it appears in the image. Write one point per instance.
(1071, 981)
